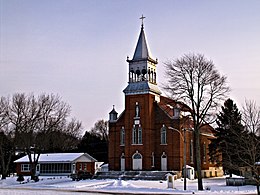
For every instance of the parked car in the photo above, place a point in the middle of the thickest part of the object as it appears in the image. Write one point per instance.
(81, 175)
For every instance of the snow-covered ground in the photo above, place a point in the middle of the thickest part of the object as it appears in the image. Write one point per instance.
(64, 186)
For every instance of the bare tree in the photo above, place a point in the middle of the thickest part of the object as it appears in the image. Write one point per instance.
(33, 122)
(195, 80)
(251, 117)
(249, 150)
(101, 129)
(5, 139)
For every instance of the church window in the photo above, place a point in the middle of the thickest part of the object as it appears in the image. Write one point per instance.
(134, 135)
(204, 152)
(137, 110)
(152, 159)
(140, 135)
(137, 156)
(163, 135)
(176, 113)
(122, 136)
(191, 151)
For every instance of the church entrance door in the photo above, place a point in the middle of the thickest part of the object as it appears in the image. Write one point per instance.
(122, 163)
(137, 161)
(164, 162)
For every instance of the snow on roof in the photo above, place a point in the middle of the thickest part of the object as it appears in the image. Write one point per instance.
(57, 157)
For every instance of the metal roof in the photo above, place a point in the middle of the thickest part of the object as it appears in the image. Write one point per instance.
(142, 49)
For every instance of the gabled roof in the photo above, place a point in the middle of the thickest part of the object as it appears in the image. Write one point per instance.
(167, 105)
(58, 157)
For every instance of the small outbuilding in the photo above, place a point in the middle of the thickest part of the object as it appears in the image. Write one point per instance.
(190, 173)
(58, 164)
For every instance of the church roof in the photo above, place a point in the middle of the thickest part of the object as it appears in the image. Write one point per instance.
(142, 51)
(167, 105)
(141, 88)
(113, 111)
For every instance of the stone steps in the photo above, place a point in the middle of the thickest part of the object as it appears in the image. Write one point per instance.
(133, 175)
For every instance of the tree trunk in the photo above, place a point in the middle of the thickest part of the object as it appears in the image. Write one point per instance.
(5, 165)
(198, 159)
(33, 171)
(257, 185)
(4, 175)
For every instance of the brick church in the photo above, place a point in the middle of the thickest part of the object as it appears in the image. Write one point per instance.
(148, 134)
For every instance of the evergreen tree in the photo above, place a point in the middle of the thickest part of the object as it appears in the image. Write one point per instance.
(224, 147)
(94, 145)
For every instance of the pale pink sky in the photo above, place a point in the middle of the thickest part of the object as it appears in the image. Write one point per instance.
(78, 48)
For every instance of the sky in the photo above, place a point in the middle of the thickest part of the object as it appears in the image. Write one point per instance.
(78, 48)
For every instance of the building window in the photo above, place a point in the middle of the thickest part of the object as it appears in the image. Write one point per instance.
(152, 159)
(137, 134)
(85, 166)
(134, 135)
(137, 110)
(53, 168)
(122, 136)
(137, 156)
(176, 113)
(204, 152)
(25, 167)
(163, 135)
(140, 135)
(191, 151)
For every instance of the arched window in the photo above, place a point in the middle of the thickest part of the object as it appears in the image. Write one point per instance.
(122, 136)
(137, 110)
(204, 152)
(134, 135)
(139, 134)
(163, 135)
(137, 156)
(191, 151)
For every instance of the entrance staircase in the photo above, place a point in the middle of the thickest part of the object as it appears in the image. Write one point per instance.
(133, 175)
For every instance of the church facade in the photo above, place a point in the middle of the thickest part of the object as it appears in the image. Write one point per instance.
(149, 134)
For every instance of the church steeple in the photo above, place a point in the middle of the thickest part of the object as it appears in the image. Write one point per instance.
(141, 50)
(142, 68)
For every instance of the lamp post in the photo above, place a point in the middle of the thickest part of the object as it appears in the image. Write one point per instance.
(184, 151)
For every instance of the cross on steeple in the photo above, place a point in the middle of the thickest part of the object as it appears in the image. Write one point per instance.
(142, 18)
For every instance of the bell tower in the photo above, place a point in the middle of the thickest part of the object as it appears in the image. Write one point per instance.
(142, 69)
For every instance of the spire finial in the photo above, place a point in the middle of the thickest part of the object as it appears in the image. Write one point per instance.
(142, 18)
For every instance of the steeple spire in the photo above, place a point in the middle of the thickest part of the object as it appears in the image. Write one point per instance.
(142, 51)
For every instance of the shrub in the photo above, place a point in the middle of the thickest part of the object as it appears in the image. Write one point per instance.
(20, 178)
